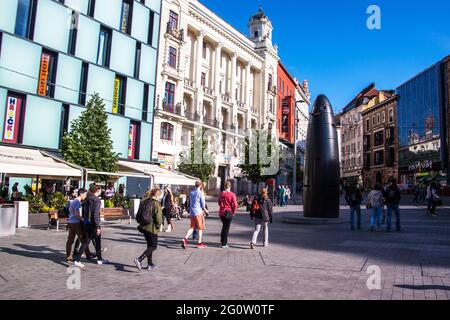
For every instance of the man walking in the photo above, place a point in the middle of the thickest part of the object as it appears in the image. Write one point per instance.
(74, 223)
(392, 197)
(197, 207)
(354, 199)
(91, 220)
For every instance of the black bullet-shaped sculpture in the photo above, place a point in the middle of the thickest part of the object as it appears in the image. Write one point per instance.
(321, 180)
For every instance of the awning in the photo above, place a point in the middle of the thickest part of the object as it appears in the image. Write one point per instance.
(23, 162)
(160, 175)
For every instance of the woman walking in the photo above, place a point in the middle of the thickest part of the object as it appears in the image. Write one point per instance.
(261, 211)
(168, 208)
(375, 203)
(150, 218)
(227, 209)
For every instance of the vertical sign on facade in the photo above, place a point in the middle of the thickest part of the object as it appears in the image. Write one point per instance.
(43, 74)
(132, 141)
(115, 107)
(11, 129)
(286, 110)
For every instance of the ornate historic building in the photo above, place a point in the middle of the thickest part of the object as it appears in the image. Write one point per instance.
(212, 76)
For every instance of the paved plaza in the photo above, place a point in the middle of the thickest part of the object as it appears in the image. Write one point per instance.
(302, 262)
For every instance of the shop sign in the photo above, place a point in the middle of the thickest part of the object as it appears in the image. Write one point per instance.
(43, 75)
(286, 110)
(426, 165)
(132, 142)
(115, 107)
(165, 160)
(11, 129)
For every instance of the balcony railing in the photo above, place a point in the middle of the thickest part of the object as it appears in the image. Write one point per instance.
(226, 98)
(177, 34)
(189, 83)
(208, 91)
(241, 105)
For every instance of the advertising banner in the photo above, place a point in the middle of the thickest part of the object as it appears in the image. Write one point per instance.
(12, 116)
(43, 74)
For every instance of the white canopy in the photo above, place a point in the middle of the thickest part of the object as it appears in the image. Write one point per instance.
(160, 175)
(23, 162)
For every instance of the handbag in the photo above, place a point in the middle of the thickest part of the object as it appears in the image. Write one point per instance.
(228, 215)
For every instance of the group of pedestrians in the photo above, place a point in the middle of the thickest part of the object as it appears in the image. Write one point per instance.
(378, 199)
(283, 195)
(150, 219)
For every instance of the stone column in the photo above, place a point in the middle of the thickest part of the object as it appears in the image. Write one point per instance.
(247, 99)
(198, 75)
(218, 102)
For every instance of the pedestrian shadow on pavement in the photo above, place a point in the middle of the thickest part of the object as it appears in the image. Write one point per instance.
(423, 287)
(38, 252)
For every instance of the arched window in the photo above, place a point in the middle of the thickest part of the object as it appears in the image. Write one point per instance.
(166, 131)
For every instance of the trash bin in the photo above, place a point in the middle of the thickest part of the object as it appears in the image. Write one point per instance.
(7, 220)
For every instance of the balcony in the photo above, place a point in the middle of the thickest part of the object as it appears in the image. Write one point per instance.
(226, 98)
(255, 111)
(175, 33)
(193, 116)
(209, 93)
(189, 84)
(272, 89)
(241, 105)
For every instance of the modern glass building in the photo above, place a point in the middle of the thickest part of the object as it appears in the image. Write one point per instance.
(55, 54)
(421, 118)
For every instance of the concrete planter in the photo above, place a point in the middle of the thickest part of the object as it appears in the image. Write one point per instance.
(38, 219)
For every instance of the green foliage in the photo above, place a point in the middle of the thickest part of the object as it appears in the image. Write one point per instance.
(120, 202)
(35, 203)
(197, 163)
(255, 172)
(109, 204)
(89, 142)
(47, 209)
(57, 201)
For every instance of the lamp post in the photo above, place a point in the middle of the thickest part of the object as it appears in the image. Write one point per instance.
(294, 183)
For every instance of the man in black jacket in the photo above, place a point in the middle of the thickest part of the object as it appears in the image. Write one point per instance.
(354, 199)
(392, 197)
(91, 223)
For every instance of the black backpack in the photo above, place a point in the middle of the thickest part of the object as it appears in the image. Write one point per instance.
(143, 216)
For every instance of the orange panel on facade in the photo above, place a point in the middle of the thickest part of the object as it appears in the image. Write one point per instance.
(285, 105)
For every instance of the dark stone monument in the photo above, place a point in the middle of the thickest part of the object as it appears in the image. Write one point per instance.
(321, 182)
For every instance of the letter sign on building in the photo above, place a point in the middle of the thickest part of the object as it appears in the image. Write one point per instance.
(132, 142)
(115, 107)
(43, 75)
(285, 116)
(11, 129)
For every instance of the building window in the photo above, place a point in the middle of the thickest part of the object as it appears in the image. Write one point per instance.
(359, 146)
(126, 16)
(25, 18)
(172, 57)
(91, 8)
(204, 50)
(120, 84)
(166, 131)
(368, 125)
(169, 99)
(137, 60)
(353, 148)
(236, 94)
(373, 121)
(47, 73)
(150, 28)
(104, 47)
(383, 117)
(367, 142)
(379, 158)
(368, 159)
(379, 138)
(220, 86)
(256, 33)
(173, 20)
(73, 32)
(391, 115)
(145, 102)
(83, 83)
(203, 79)
(390, 157)
(270, 82)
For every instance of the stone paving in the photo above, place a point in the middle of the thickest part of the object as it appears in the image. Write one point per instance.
(302, 262)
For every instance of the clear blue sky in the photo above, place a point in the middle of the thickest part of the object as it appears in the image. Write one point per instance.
(328, 42)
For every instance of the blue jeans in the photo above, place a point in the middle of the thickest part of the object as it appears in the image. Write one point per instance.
(393, 208)
(376, 217)
(356, 209)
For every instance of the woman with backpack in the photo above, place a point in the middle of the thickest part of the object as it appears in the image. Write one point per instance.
(262, 213)
(375, 202)
(227, 209)
(150, 219)
(168, 208)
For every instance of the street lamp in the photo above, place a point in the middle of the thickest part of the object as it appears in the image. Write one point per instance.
(294, 183)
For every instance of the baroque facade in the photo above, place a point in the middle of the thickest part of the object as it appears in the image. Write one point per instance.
(212, 76)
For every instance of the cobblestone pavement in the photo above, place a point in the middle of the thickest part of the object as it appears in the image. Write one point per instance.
(302, 262)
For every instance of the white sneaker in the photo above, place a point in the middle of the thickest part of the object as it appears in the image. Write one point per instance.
(78, 264)
(103, 261)
(169, 229)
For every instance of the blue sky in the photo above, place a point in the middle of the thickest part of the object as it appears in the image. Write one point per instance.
(328, 42)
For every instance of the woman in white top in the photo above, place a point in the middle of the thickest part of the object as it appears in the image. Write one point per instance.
(375, 203)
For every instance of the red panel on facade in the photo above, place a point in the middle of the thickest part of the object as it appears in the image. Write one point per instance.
(285, 105)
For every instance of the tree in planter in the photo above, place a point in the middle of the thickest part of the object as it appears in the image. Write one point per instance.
(197, 162)
(261, 158)
(89, 143)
